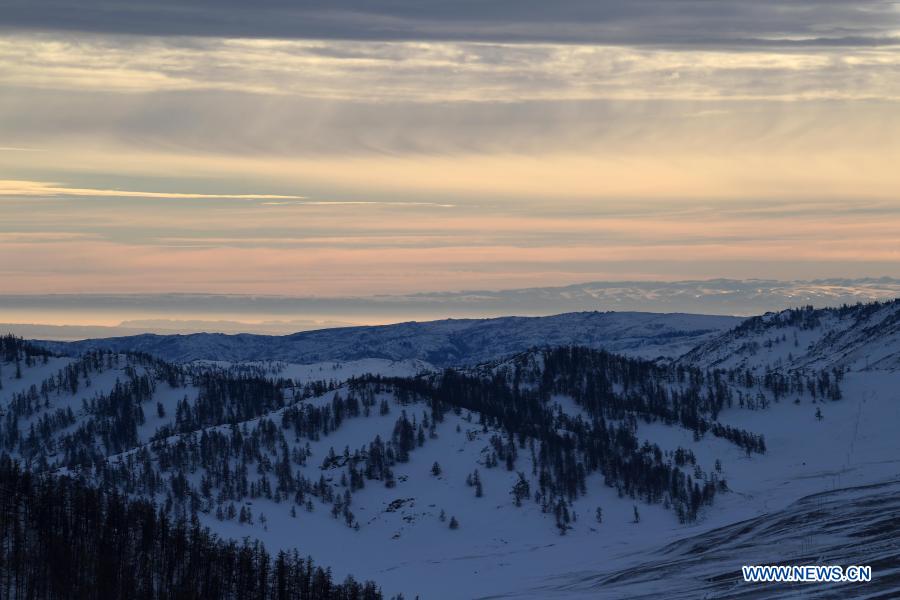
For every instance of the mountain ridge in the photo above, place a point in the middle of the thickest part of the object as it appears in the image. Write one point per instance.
(855, 337)
(442, 343)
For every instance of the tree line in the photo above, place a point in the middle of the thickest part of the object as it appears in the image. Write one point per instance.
(61, 538)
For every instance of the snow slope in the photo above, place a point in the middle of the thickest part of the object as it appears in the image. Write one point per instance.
(859, 337)
(503, 550)
(441, 343)
(855, 525)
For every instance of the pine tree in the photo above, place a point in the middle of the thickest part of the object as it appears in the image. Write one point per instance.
(521, 489)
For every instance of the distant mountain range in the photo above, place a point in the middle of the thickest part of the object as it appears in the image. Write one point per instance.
(857, 337)
(450, 342)
(714, 297)
(27, 315)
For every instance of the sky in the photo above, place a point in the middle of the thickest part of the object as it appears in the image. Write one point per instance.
(340, 148)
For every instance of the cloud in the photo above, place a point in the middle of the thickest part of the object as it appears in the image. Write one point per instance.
(313, 98)
(10, 187)
(275, 314)
(279, 71)
(357, 203)
(45, 236)
(237, 248)
(629, 22)
(109, 267)
(573, 139)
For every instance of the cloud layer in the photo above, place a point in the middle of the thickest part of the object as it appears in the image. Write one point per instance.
(447, 72)
(629, 22)
(357, 148)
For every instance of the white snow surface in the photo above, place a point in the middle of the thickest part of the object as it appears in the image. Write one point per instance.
(861, 337)
(505, 551)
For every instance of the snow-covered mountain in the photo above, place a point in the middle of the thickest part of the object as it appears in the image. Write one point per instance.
(441, 343)
(856, 337)
(365, 464)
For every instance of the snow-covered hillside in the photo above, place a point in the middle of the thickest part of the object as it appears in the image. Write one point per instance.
(858, 337)
(827, 528)
(441, 343)
(367, 475)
